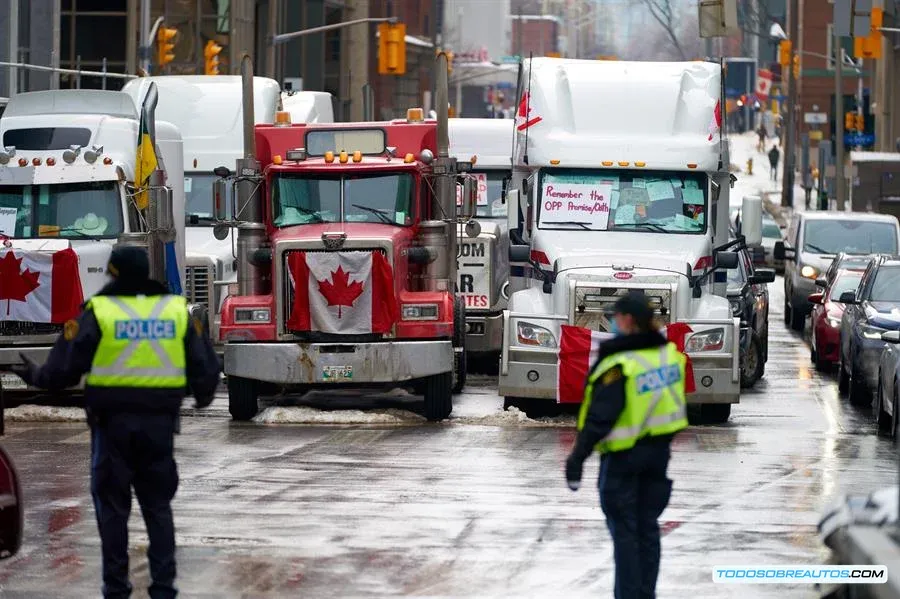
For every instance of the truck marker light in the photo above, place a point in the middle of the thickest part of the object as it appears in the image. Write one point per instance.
(473, 160)
(409, 158)
(329, 157)
(282, 119)
(554, 162)
(36, 161)
(415, 115)
(51, 161)
(640, 164)
(691, 165)
(703, 263)
(195, 162)
(343, 157)
(357, 156)
(107, 161)
(23, 162)
(623, 163)
(276, 159)
(540, 257)
(607, 163)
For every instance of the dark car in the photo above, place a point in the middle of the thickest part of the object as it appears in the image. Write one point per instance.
(11, 512)
(870, 311)
(749, 299)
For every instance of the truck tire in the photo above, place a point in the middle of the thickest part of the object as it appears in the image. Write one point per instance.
(715, 413)
(752, 363)
(438, 396)
(243, 396)
(459, 345)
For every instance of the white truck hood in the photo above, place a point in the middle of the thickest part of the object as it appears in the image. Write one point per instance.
(92, 258)
(200, 242)
(596, 249)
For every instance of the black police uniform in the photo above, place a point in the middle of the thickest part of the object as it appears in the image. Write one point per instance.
(132, 432)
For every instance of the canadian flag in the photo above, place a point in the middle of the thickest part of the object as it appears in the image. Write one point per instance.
(763, 84)
(715, 124)
(39, 286)
(578, 352)
(342, 292)
(523, 121)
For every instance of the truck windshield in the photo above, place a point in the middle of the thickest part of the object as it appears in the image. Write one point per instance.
(307, 199)
(490, 194)
(198, 198)
(619, 200)
(830, 236)
(70, 210)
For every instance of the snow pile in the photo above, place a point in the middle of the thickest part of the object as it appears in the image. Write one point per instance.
(30, 413)
(515, 417)
(307, 415)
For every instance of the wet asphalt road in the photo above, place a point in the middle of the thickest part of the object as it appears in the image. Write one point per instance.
(471, 508)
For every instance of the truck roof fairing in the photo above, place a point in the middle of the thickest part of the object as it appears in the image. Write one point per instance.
(490, 140)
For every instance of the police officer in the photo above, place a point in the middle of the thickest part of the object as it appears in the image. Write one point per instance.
(634, 403)
(141, 352)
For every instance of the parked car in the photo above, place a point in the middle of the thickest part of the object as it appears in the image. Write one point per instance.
(844, 262)
(871, 310)
(812, 241)
(748, 295)
(826, 318)
(771, 234)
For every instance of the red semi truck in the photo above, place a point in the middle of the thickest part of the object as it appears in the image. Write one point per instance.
(347, 244)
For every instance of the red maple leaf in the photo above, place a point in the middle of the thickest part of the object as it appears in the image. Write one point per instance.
(340, 291)
(15, 284)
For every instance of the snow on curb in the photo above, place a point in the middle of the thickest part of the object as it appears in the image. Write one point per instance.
(515, 416)
(31, 413)
(307, 415)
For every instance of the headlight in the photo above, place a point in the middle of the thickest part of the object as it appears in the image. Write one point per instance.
(871, 332)
(706, 341)
(530, 334)
(737, 307)
(419, 312)
(256, 315)
(809, 272)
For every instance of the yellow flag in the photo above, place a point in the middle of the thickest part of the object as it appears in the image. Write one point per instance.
(146, 164)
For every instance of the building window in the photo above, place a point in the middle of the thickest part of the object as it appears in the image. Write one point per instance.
(846, 42)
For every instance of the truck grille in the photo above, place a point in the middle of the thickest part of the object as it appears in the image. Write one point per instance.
(593, 306)
(198, 286)
(288, 297)
(14, 328)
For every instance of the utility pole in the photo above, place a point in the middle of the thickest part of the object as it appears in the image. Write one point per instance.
(840, 190)
(145, 35)
(273, 27)
(787, 180)
(13, 47)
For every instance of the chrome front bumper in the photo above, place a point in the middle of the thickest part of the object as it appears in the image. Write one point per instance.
(484, 332)
(329, 363)
(716, 374)
(10, 355)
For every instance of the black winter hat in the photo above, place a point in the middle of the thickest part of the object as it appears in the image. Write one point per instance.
(129, 262)
(636, 304)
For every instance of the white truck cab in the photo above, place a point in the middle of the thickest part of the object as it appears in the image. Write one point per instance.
(308, 107)
(620, 182)
(208, 113)
(67, 170)
(483, 261)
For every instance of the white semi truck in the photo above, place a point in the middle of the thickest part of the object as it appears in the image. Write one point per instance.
(67, 181)
(483, 262)
(620, 182)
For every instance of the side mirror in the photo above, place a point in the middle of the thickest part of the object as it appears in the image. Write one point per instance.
(822, 282)
(11, 512)
(891, 336)
(751, 220)
(726, 260)
(512, 211)
(763, 275)
(221, 172)
(220, 206)
(781, 252)
(519, 253)
(161, 208)
(815, 298)
(848, 297)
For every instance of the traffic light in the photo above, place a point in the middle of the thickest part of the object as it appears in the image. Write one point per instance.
(870, 46)
(391, 49)
(784, 53)
(860, 121)
(165, 46)
(211, 54)
(849, 121)
(796, 66)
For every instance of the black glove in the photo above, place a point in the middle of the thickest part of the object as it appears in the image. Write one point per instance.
(574, 467)
(26, 370)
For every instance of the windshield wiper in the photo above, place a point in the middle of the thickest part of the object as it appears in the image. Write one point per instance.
(651, 226)
(816, 248)
(382, 214)
(70, 230)
(584, 226)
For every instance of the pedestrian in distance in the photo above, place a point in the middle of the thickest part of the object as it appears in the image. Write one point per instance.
(142, 354)
(774, 155)
(634, 404)
(762, 133)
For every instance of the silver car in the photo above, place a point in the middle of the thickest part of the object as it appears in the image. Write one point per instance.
(771, 234)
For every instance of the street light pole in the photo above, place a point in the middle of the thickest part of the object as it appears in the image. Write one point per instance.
(787, 180)
(283, 37)
(839, 190)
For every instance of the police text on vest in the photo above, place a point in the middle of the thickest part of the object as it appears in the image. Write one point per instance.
(150, 329)
(658, 379)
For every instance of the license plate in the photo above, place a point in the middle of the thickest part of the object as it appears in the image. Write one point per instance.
(11, 382)
(334, 374)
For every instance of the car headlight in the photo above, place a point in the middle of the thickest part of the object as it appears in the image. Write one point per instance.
(419, 312)
(530, 334)
(872, 332)
(252, 315)
(737, 307)
(706, 341)
(809, 272)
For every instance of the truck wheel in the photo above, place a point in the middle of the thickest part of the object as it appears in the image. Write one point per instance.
(751, 362)
(242, 398)
(715, 413)
(459, 345)
(438, 396)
